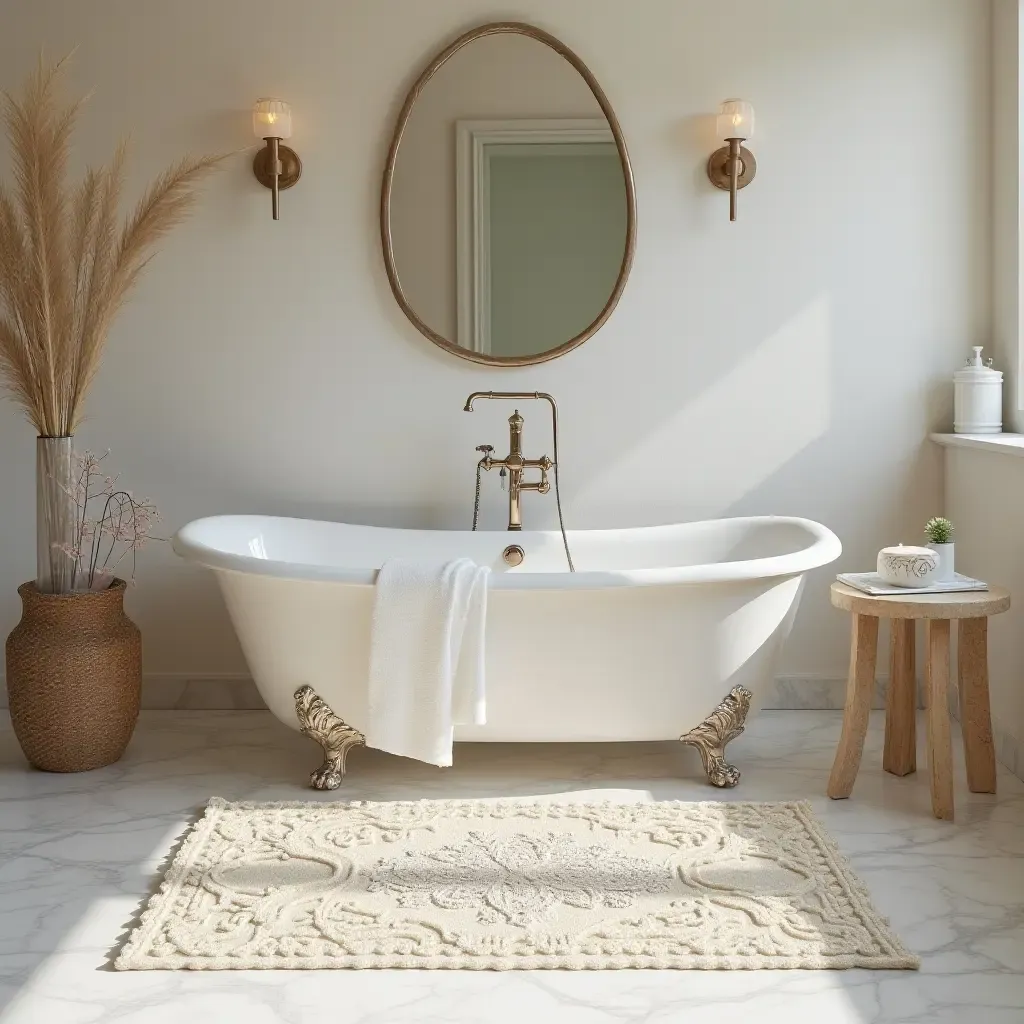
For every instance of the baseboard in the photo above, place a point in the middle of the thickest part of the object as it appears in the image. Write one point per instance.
(174, 691)
(191, 691)
(235, 691)
(821, 693)
(1009, 750)
(817, 693)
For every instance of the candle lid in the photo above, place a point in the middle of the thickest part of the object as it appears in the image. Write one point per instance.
(907, 549)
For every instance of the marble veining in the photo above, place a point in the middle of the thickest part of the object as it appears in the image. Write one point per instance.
(79, 853)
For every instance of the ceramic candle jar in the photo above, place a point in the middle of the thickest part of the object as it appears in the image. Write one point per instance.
(907, 566)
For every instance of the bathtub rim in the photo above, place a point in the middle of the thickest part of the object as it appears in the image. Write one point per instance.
(824, 547)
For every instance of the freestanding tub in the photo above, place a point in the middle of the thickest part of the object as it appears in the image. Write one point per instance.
(657, 626)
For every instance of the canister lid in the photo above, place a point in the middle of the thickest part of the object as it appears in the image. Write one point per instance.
(976, 370)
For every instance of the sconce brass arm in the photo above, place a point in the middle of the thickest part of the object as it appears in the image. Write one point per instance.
(731, 168)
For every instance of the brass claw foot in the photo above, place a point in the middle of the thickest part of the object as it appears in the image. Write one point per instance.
(725, 723)
(320, 723)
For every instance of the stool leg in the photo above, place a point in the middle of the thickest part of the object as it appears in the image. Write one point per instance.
(860, 687)
(900, 757)
(975, 716)
(940, 749)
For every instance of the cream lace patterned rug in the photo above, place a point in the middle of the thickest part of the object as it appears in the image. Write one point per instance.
(503, 885)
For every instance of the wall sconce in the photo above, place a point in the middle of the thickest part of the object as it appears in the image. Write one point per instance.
(275, 166)
(733, 166)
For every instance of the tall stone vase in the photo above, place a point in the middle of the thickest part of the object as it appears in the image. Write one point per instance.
(74, 672)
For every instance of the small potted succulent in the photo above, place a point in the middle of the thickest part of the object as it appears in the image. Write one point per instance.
(939, 532)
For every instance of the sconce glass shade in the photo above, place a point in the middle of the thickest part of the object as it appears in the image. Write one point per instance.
(272, 119)
(735, 120)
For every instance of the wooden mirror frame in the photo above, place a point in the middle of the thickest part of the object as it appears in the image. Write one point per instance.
(506, 28)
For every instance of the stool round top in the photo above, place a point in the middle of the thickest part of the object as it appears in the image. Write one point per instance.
(969, 604)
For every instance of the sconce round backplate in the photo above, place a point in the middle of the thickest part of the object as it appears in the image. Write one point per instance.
(291, 167)
(718, 168)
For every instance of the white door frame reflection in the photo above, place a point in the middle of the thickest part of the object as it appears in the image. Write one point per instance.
(476, 142)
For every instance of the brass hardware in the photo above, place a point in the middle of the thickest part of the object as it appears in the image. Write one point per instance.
(513, 554)
(486, 462)
(320, 723)
(289, 169)
(490, 395)
(515, 465)
(725, 723)
(731, 168)
(506, 28)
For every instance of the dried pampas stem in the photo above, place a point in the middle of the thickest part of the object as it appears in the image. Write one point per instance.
(66, 262)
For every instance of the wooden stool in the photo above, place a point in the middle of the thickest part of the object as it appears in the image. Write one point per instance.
(971, 609)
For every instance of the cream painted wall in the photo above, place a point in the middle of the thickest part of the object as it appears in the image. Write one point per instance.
(792, 362)
(980, 487)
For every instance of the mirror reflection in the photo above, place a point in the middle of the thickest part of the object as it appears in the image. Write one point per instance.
(509, 203)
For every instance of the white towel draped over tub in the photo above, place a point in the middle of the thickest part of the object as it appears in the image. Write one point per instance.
(426, 656)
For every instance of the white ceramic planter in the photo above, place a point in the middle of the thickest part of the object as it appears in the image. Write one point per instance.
(947, 570)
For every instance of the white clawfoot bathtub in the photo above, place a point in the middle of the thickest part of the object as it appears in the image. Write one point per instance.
(656, 626)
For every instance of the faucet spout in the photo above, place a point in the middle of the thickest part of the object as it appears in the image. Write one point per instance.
(543, 396)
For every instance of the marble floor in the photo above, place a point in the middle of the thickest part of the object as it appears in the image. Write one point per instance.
(79, 853)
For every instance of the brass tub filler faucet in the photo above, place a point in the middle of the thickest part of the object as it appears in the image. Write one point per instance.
(515, 464)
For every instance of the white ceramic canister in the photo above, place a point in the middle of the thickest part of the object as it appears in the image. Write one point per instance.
(977, 397)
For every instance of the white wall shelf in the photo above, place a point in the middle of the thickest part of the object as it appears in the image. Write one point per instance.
(1007, 444)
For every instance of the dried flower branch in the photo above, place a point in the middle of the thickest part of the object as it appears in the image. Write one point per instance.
(123, 526)
(66, 265)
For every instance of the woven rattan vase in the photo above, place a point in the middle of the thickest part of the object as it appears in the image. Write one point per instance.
(74, 672)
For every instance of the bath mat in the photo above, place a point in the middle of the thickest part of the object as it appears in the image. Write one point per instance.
(496, 885)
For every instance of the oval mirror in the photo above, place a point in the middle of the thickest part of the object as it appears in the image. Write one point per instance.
(507, 211)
